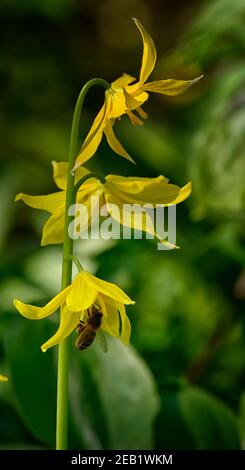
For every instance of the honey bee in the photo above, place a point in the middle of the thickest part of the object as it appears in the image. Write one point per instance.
(87, 330)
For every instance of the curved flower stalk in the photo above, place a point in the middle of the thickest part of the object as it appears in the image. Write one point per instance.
(115, 191)
(76, 300)
(127, 96)
(89, 302)
(3, 378)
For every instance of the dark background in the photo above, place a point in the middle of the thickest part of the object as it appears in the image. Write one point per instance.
(180, 385)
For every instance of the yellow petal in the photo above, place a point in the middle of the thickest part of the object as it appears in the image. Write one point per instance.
(110, 322)
(170, 86)
(83, 293)
(122, 81)
(37, 313)
(133, 217)
(155, 191)
(3, 378)
(83, 220)
(181, 194)
(69, 321)
(114, 142)
(134, 97)
(95, 134)
(126, 330)
(149, 53)
(109, 289)
(48, 203)
(60, 170)
(116, 103)
(101, 301)
(53, 230)
(124, 99)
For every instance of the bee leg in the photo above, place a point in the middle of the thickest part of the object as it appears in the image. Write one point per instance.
(80, 326)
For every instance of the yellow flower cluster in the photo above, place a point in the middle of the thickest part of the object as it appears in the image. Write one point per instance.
(89, 303)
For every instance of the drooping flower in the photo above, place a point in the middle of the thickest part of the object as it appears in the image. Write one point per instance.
(76, 300)
(127, 96)
(3, 378)
(115, 191)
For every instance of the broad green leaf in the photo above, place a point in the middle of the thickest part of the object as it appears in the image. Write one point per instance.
(113, 398)
(121, 392)
(32, 375)
(191, 418)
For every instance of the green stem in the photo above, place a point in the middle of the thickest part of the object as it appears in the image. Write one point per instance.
(63, 355)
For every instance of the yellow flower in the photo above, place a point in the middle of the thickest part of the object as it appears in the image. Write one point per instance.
(3, 378)
(76, 300)
(124, 97)
(117, 190)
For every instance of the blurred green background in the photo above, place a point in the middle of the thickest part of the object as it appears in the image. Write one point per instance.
(180, 385)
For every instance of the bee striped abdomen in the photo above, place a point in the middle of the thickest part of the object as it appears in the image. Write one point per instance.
(86, 329)
(85, 339)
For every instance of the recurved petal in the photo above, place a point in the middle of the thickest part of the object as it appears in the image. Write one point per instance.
(178, 194)
(149, 53)
(95, 134)
(3, 378)
(140, 219)
(135, 189)
(110, 322)
(53, 230)
(122, 81)
(48, 203)
(126, 330)
(154, 191)
(60, 170)
(69, 321)
(114, 142)
(37, 313)
(83, 293)
(170, 86)
(109, 289)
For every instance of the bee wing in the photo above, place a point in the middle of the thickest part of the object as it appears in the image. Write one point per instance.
(102, 341)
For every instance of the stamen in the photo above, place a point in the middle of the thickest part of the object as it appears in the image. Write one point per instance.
(142, 113)
(134, 119)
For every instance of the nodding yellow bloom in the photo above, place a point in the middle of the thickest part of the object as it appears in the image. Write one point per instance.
(75, 301)
(116, 191)
(126, 97)
(3, 378)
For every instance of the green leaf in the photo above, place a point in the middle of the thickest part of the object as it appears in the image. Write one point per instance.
(113, 399)
(194, 419)
(118, 391)
(217, 158)
(32, 375)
